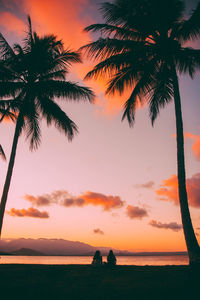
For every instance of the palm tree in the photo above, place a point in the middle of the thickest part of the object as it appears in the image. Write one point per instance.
(32, 76)
(142, 47)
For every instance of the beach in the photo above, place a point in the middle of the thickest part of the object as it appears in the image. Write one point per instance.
(89, 282)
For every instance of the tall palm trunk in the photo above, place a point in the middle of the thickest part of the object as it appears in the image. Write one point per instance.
(190, 238)
(9, 171)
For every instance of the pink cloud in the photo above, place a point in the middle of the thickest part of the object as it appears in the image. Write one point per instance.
(146, 185)
(172, 225)
(98, 231)
(135, 212)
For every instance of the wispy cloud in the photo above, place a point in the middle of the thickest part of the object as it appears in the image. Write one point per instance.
(146, 185)
(168, 191)
(30, 212)
(135, 212)
(64, 198)
(98, 231)
(39, 200)
(172, 225)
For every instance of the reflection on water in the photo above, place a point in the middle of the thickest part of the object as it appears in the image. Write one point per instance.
(121, 260)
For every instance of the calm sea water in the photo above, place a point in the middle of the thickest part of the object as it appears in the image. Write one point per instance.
(121, 260)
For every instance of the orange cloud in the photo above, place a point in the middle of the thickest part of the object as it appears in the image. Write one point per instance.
(66, 19)
(173, 225)
(63, 19)
(196, 145)
(60, 17)
(169, 190)
(107, 202)
(135, 212)
(30, 212)
(12, 23)
(63, 198)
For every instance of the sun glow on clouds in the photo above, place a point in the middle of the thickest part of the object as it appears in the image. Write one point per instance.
(12, 23)
(196, 144)
(60, 17)
(63, 198)
(168, 191)
(65, 19)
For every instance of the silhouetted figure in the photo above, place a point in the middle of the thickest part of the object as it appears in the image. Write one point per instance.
(111, 259)
(97, 259)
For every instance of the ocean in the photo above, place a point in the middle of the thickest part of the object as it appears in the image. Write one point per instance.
(84, 260)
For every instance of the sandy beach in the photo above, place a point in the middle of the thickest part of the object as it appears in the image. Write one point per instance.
(88, 282)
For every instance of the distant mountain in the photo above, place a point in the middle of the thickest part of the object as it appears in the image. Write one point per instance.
(49, 247)
(27, 252)
(44, 246)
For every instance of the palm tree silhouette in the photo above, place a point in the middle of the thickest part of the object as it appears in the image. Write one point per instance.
(142, 47)
(33, 75)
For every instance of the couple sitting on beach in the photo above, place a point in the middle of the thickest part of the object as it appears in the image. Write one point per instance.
(97, 259)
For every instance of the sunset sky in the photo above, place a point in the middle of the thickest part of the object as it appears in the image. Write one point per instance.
(112, 185)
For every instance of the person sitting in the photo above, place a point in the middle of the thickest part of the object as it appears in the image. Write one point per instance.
(97, 259)
(111, 259)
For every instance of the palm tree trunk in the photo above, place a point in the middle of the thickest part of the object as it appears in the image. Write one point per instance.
(190, 238)
(9, 171)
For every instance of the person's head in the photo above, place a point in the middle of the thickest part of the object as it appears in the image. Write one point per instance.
(97, 254)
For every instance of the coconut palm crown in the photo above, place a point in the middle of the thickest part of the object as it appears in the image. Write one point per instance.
(32, 75)
(143, 47)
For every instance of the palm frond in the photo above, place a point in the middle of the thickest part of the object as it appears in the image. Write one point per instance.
(115, 31)
(187, 61)
(63, 89)
(7, 113)
(54, 114)
(123, 79)
(53, 75)
(111, 65)
(104, 48)
(28, 40)
(162, 91)
(2, 153)
(31, 126)
(6, 51)
(10, 88)
(190, 29)
(141, 89)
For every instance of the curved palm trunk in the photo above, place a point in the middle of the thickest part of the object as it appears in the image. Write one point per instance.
(9, 171)
(190, 238)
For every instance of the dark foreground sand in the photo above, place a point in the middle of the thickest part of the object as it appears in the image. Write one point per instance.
(87, 282)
